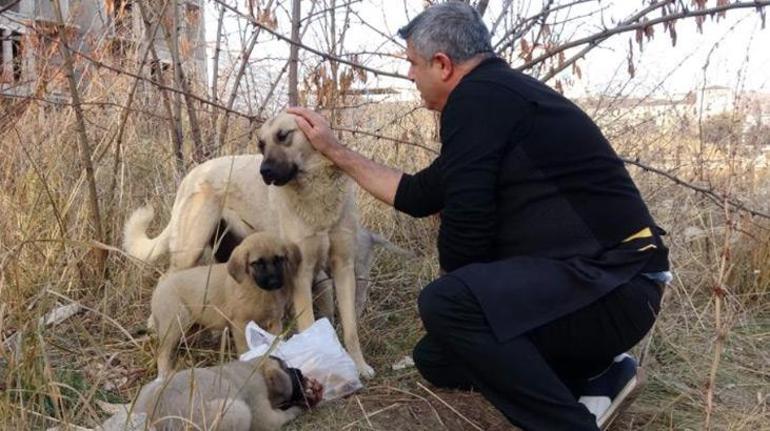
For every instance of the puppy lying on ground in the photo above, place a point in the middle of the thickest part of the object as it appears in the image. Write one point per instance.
(262, 394)
(255, 284)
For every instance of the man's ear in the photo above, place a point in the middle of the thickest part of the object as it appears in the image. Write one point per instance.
(293, 259)
(236, 265)
(445, 64)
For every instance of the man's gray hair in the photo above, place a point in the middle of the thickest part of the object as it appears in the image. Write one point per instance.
(454, 28)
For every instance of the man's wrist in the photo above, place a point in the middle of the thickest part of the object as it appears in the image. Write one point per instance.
(336, 153)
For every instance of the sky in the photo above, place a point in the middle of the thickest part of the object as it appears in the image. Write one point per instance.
(735, 49)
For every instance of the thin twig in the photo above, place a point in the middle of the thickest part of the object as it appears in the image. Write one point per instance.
(471, 423)
(720, 199)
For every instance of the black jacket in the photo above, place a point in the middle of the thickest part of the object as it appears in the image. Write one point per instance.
(523, 173)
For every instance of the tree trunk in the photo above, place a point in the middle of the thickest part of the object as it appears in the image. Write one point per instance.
(294, 55)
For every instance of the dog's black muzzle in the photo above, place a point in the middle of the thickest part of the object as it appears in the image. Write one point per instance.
(277, 173)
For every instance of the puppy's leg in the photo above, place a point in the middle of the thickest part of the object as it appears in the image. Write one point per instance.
(171, 327)
(341, 262)
(198, 219)
(275, 326)
(323, 294)
(238, 328)
(267, 418)
(225, 414)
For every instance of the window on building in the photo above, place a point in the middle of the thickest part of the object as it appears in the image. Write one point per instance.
(16, 54)
(14, 5)
(11, 60)
(2, 55)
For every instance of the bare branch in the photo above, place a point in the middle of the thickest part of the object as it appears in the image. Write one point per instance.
(322, 54)
(719, 198)
(631, 24)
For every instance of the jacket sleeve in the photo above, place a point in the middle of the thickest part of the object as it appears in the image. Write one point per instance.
(420, 195)
(476, 130)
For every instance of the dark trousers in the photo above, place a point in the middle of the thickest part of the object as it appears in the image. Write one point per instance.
(533, 378)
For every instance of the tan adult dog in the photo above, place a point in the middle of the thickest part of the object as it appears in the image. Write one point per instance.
(255, 284)
(258, 395)
(311, 204)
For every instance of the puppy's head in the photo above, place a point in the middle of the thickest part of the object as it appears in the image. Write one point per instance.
(285, 149)
(284, 384)
(266, 259)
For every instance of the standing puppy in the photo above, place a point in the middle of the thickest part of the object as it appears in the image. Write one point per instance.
(255, 284)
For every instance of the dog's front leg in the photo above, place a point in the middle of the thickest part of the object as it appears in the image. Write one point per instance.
(341, 262)
(302, 296)
(323, 295)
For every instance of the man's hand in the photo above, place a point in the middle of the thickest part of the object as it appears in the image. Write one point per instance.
(381, 181)
(316, 128)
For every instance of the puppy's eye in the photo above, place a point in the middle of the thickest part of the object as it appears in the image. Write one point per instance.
(261, 146)
(278, 260)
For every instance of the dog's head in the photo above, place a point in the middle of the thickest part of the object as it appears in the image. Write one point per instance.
(285, 150)
(285, 385)
(266, 259)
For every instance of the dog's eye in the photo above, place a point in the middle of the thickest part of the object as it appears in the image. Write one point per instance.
(278, 260)
(282, 135)
(261, 146)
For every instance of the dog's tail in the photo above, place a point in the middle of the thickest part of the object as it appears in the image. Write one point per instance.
(380, 241)
(135, 239)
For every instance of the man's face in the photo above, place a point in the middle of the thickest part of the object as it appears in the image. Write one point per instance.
(426, 75)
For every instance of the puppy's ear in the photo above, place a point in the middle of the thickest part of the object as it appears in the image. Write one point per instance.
(293, 259)
(278, 382)
(236, 265)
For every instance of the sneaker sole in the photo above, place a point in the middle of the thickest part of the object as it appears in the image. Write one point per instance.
(627, 395)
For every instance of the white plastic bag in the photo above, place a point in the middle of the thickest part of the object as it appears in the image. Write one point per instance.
(316, 351)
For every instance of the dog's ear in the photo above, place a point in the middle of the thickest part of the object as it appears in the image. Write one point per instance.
(278, 382)
(293, 259)
(236, 265)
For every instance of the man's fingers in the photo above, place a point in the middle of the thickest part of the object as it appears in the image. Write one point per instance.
(307, 114)
(303, 125)
(312, 117)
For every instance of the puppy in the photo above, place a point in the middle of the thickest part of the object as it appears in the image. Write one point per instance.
(261, 394)
(255, 284)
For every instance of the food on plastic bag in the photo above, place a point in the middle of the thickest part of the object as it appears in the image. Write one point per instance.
(316, 351)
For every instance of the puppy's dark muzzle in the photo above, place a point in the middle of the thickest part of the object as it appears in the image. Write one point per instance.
(269, 281)
(278, 174)
(297, 389)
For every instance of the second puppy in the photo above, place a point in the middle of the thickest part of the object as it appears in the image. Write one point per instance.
(255, 284)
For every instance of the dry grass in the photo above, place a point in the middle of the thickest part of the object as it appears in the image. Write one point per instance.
(57, 374)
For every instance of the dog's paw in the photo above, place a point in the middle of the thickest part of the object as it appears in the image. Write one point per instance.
(313, 391)
(365, 371)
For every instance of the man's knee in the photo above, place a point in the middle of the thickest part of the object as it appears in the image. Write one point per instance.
(438, 301)
(436, 365)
